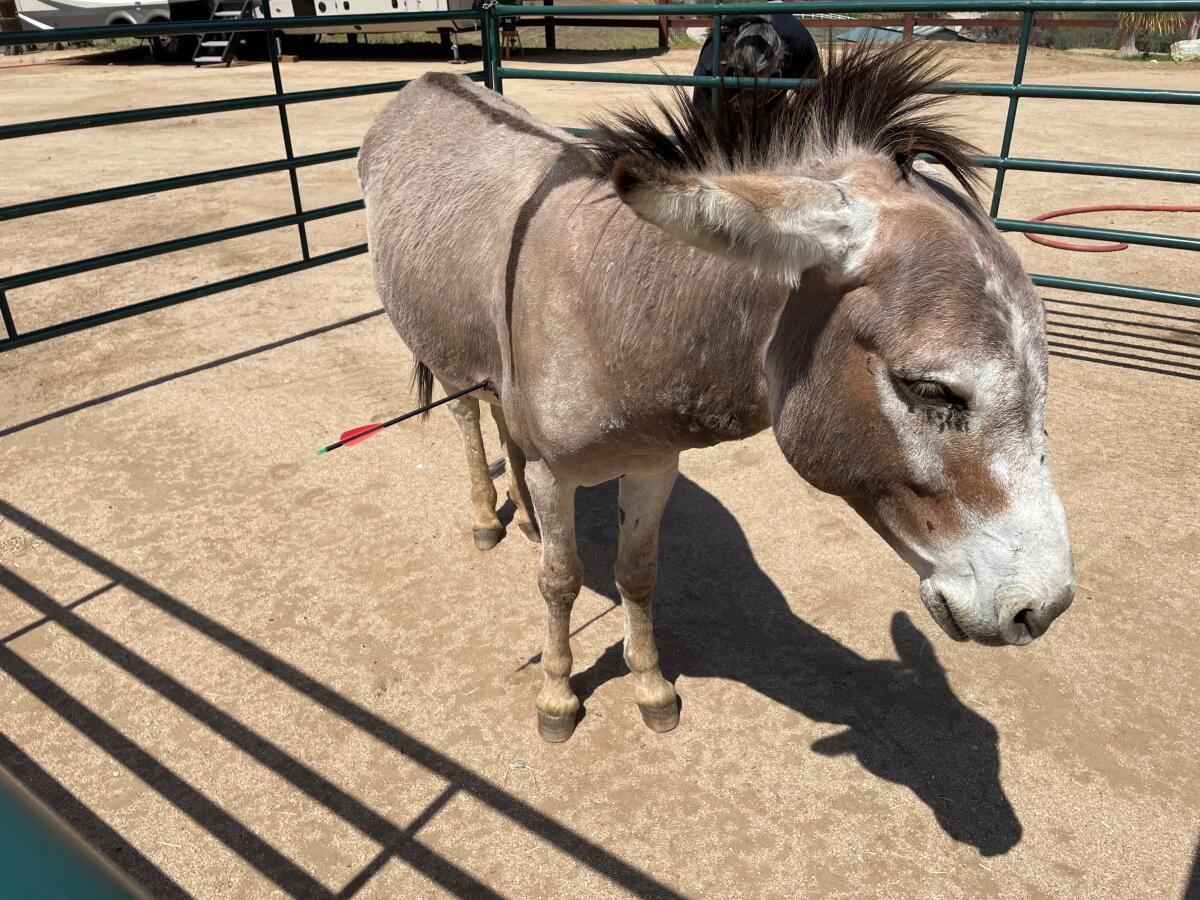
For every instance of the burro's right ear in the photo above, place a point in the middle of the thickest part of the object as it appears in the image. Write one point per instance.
(779, 225)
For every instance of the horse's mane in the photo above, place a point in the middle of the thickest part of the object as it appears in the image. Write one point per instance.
(872, 98)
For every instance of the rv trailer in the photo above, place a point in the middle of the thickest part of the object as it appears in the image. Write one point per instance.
(44, 15)
(288, 8)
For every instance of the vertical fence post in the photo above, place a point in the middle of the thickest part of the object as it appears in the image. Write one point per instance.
(910, 22)
(491, 29)
(664, 28)
(497, 78)
(717, 89)
(485, 48)
(9, 326)
(551, 37)
(273, 52)
(1006, 142)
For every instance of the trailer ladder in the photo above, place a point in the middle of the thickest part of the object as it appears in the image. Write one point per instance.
(220, 48)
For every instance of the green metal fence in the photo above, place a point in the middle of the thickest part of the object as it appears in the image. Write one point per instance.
(493, 74)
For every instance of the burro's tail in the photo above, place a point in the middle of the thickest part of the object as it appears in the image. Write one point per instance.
(422, 378)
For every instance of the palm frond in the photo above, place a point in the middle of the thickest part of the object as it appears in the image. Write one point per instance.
(1151, 22)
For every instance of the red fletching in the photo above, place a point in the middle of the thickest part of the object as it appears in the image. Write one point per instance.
(359, 434)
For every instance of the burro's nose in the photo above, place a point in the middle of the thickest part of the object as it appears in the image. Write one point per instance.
(1025, 611)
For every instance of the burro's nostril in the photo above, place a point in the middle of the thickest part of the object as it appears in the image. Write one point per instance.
(1027, 610)
(1024, 611)
(1017, 626)
(1028, 619)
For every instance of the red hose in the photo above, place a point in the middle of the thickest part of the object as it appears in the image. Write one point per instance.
(1098, 247)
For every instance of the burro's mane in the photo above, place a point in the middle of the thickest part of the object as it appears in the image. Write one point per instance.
(872, 99)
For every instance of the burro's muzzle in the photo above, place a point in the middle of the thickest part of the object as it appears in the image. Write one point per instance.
(1008, 577)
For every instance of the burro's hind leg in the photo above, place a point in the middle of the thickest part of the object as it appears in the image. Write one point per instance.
(642, 499)
(559, 579)
(518, 490)
(485, 525)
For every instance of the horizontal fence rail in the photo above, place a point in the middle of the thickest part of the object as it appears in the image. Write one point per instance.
(1090, 233)
(204, 290)
(846, 6)
(1116, 290)
(204, 107)
(1111, 170)
(106, 260)
(1041, 91)
(159, 185)
(494, 72)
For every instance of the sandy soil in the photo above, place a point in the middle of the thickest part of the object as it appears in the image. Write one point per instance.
(284, 674)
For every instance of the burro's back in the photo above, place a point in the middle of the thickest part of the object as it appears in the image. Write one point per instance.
(445, 171)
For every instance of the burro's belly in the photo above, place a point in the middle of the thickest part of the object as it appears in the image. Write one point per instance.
(591, 437)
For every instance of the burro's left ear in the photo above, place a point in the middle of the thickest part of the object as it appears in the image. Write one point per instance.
(778, 224)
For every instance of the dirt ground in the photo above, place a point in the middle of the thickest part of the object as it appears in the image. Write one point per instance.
(241, 670)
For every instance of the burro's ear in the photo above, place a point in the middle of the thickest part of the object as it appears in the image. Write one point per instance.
(779, 225)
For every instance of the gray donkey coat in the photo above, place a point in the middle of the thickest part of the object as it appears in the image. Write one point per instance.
(680, 285)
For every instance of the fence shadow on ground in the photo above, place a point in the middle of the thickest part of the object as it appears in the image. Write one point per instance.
(5, 431)
(86, 56)
(428, 50)
(718, 615)
(1145, 341)
(395, 842)
(581, 56)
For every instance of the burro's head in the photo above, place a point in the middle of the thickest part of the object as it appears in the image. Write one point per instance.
(907, 370)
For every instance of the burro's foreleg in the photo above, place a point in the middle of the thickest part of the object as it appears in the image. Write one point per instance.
(485, 525)
(559, 579)
(642, 499)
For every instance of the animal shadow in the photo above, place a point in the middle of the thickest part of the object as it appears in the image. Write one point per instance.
(718, 615)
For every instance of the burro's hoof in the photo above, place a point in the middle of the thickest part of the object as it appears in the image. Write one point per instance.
(556, 729)
(530, 530)
(487, 538)
(662, 718)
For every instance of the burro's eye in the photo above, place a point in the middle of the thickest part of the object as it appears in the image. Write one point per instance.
(928, 392)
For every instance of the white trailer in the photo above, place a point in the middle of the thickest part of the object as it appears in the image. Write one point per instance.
(287, 8)
(43, 15)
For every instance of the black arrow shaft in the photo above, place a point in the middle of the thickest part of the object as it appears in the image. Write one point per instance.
(408, 415)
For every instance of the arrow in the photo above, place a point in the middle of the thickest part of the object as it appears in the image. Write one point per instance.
(362, 432)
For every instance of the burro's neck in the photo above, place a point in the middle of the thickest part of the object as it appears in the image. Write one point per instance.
(682, 333)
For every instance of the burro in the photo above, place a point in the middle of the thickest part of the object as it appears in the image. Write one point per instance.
(701, 273)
